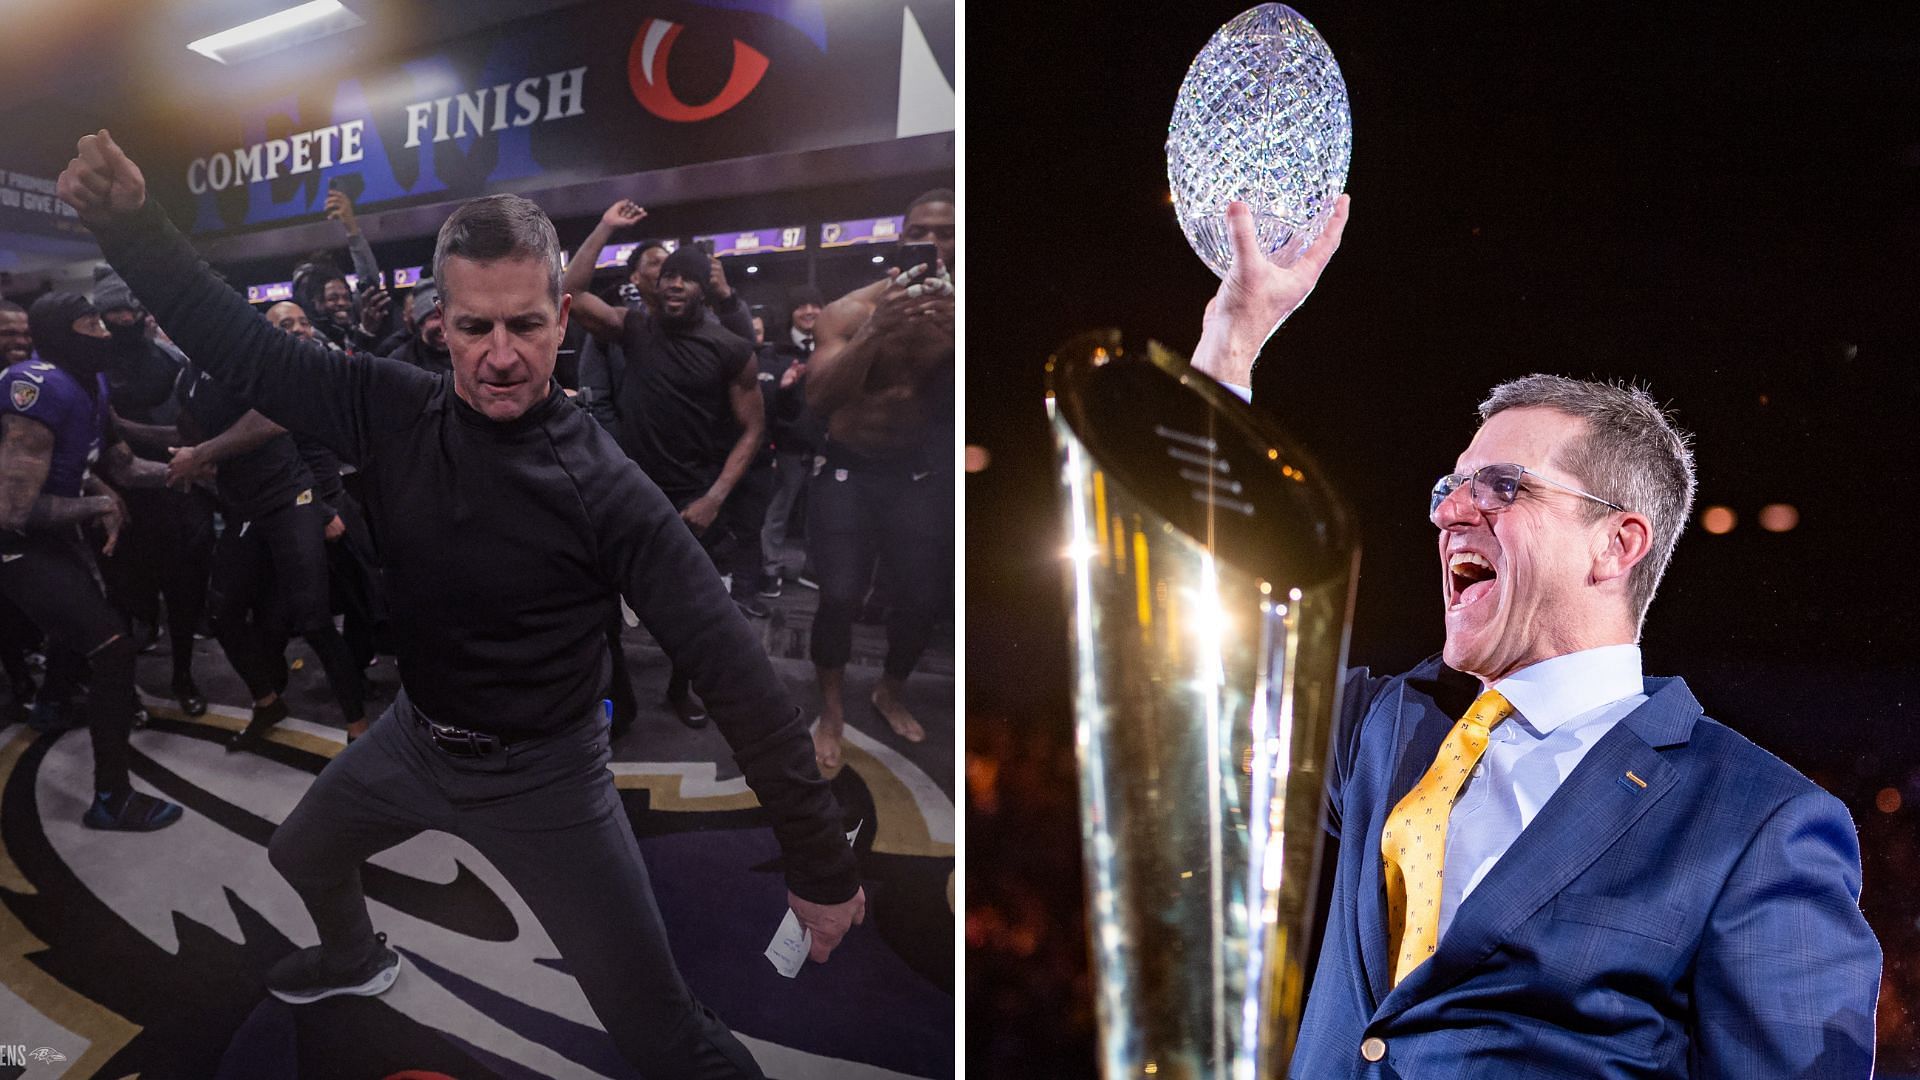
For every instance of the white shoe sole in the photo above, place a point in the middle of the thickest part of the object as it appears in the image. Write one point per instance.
(375, 986)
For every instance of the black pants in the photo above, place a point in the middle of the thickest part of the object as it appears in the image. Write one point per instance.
(620, 681)
(745, 517)
(274, 569)
(546, 813)
(52, 581)
(732, 542)
(67, 672)
(862, 511)
(165, 550)
(18, 637)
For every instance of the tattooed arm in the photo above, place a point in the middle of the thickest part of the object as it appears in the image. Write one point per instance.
(195, 463)
(26, 455)
(114, 519)
(122, 469)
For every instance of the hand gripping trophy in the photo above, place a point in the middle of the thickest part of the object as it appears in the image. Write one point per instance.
(1211, 572)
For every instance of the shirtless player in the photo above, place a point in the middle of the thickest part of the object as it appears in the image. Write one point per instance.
(882, 486)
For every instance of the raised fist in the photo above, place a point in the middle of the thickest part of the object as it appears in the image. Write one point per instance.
(622, 214)
(102, 182)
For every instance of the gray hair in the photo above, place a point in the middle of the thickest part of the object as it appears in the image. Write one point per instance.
(1632, 454)
(499, 227)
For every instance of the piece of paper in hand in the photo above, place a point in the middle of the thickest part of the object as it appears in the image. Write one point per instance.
(627, 615)
(787, 952)
(791, 944)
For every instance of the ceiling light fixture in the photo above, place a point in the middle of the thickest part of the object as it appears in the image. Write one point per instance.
(271, 33)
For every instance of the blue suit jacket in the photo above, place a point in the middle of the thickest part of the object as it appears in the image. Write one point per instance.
(1705, 925)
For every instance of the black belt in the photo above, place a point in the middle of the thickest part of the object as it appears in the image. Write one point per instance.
(914, 462)
(465, 742)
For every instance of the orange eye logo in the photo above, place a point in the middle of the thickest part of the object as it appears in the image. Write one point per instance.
(647, 75)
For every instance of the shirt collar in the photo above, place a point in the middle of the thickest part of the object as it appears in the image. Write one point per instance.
(1553, 691)
(799, 338)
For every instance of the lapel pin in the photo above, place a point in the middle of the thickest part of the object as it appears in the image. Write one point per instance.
(1633, 783)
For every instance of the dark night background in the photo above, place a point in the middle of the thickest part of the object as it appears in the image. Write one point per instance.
(1722, 204)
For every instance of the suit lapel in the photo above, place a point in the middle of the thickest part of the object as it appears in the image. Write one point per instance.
(1596, 804)
(1425, 713)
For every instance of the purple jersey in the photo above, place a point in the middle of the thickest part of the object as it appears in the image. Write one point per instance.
(39, 391)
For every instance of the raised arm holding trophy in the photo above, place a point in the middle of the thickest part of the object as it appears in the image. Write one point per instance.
(1549, 864)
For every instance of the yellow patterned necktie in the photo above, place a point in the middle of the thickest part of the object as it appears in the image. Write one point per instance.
(1414, 843)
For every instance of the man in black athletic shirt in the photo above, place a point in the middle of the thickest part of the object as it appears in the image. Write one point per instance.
(352, 564)
(510, 523)
(270, 563)
(691, 417)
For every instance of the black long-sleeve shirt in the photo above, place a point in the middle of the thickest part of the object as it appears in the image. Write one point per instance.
(266, 479)
(324, 467)
(506, 544)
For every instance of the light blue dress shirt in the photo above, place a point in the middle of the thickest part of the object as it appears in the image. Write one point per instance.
(1562, 707)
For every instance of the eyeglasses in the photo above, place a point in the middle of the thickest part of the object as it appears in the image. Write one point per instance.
(1494, 487)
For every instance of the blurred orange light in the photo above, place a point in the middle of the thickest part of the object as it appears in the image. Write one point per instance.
(983, 774)
(977, 458)
(1779, 517)
(1888, 800)
(1718, 520)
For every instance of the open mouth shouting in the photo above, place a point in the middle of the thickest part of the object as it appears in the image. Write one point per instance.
(1470, 577)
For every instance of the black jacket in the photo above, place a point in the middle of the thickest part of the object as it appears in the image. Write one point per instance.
(506, 544)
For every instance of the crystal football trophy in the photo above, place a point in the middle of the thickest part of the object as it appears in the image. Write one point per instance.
(1211, 572)
(1261, 118)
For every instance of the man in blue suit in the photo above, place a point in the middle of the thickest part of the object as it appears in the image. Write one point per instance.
(1549, 865)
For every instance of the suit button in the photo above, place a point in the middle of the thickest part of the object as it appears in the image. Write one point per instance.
(1373, 1049)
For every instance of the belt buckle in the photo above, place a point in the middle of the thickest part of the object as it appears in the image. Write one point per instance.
(462, 742)
(446, 741)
